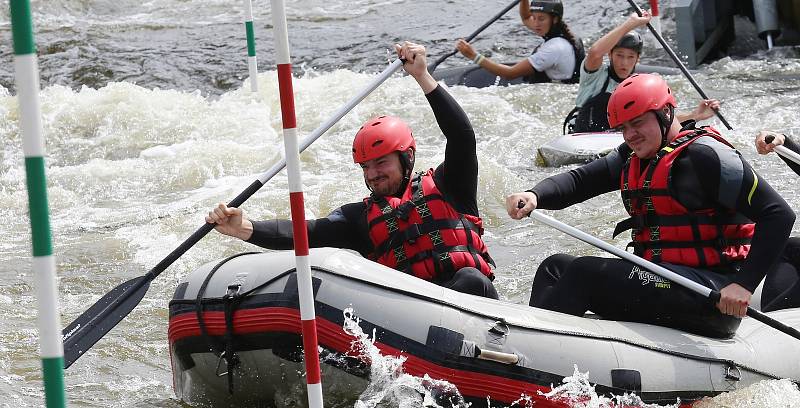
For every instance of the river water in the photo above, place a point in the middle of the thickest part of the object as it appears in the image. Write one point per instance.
(148, 125)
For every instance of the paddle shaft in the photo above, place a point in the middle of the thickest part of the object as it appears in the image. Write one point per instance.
(680, 64)
(116, 304)
(659, 270)
(784, 151)
(474, 34)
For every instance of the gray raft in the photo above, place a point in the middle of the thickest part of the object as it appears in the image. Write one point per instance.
(487, 348)
(577, 148)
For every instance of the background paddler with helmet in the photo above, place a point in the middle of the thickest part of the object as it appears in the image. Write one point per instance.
(598, 79)
(556, 59)
(696, 208)
(426, 224)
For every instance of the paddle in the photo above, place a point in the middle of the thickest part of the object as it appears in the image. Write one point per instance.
(497, 16)
(659, 270)
(100, 318)
(784, 151)
(680, 64)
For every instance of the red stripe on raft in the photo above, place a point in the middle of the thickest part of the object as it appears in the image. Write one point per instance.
(299, 223)
(279, 319)
(654, 8)
(287, 96)
(311, 351)
(332, 336)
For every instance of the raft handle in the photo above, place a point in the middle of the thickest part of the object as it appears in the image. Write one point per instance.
(505, 358)
(733, 373)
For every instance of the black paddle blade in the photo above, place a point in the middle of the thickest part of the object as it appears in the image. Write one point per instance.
(99, 319)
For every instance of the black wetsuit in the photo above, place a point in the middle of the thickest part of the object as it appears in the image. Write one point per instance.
(782, 284)
(617, 289)
(456, 177)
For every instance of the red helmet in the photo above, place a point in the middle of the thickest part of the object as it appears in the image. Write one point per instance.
(381, 136)
(637, 94)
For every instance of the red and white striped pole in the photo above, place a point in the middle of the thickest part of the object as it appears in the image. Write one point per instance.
(305, 290)
(656, 20)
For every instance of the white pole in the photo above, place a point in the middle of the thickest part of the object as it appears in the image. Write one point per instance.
(303, 267)
(252, 62)
(656, 20)
(44, 266)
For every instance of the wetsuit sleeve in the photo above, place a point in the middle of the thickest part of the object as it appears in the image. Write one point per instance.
(578, 185)
(457, 176)
(795, 147)
(729, 181)
(345, 227)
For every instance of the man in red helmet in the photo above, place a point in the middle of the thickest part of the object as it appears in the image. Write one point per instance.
(426, 224)
(695, 205)
(623, 46)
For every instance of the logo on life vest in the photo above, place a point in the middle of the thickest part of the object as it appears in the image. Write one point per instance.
(648, 277)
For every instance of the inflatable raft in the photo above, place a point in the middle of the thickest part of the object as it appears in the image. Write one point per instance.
(577, 148)
(476, 77)
(234, 339)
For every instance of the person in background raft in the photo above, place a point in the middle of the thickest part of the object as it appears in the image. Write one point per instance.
(556, 59)
(695, 205)
(599, 79)
(782, 284)
(426, 224)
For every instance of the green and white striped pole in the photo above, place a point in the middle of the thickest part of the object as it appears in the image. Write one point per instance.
(252, 62)
(44, 267)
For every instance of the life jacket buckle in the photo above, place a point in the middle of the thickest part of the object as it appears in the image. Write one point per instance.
(412, 233)
(402, 211)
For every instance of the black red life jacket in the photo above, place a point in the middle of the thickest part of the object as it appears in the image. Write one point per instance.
(663, 230)
(421, 234)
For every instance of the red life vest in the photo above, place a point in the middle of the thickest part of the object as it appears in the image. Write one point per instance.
(421, 234)
(663, 229)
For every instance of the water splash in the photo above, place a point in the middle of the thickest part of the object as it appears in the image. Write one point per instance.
(576, 391)
(765, 394)
(389, 385)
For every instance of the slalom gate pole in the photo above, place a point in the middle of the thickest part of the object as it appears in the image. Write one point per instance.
(678, 62)
(26, 73)
(656, 20)
(303, 267)
(252, 62)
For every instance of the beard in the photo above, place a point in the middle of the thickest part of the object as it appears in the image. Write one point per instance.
(383, 186)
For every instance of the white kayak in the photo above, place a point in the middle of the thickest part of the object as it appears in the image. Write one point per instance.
(577, 148)
(490, 350)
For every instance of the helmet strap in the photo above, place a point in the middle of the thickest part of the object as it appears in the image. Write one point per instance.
(664, 123)
(407, 164)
